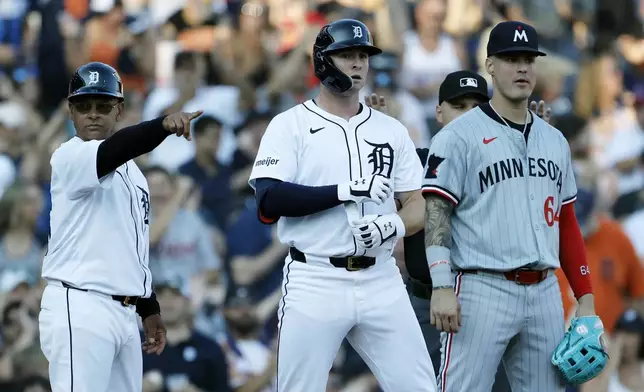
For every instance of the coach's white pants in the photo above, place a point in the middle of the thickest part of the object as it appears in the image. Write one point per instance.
(92, 342)
(323, 305)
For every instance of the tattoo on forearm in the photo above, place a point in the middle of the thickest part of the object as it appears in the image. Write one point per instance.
(438, 227)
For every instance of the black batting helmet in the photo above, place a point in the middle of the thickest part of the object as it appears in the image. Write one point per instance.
(335, 37)
(96, 79)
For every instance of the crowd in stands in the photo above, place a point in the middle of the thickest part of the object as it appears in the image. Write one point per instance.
(217, 269)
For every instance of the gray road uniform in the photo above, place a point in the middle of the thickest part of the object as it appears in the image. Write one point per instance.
(508, 183)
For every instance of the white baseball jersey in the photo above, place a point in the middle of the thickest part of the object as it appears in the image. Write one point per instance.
(309, 146)
(99, 227)
(508, 193)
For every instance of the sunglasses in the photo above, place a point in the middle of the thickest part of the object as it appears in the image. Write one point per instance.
(101, 107)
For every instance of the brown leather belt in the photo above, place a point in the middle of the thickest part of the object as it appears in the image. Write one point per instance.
(518, 276)
(350, 263)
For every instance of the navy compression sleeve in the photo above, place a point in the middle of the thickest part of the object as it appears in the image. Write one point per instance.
(129, 143)
(277, 198)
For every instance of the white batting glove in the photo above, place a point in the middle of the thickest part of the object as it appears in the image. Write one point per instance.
(371, 231)
(373, 188)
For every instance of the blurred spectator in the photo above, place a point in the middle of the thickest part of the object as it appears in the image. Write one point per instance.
(617, 275)
(429, 55)
(191, 362)
(612, 128)
(209, 303)
(626, 357)
(384, 80)
(181, 245)
(211, 177)
(189, 92)
(249, 135)
(256, 255)
(20, 354)
(20, 250)
(253, 364)
(244, 43)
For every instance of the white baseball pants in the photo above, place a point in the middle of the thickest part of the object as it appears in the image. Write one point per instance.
(321, 305)
(92, 342)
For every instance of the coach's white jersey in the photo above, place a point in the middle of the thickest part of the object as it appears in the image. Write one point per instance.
(508, 193)
(99, 227)
(308, 146)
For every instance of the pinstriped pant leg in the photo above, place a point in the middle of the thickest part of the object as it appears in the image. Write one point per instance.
(527, 361)
(470, 358)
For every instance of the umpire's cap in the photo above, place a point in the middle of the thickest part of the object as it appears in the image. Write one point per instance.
(335, 37)
(513, 37)
(96, 79)
(461, 84)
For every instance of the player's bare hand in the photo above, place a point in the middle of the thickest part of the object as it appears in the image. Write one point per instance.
(377, 103)
(373, 188)
(445, 310)
(155, 335)
(179, 123)
(541, 110)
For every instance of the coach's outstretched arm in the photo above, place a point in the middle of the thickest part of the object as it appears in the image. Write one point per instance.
(134, 141)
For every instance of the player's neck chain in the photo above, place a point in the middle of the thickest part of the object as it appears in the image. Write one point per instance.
(525, 126)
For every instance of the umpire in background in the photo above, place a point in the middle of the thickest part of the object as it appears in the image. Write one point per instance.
(459, 92)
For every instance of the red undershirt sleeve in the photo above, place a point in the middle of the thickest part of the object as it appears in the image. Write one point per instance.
(572, 252)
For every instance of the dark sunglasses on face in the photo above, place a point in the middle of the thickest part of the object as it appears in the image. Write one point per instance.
(101, 107)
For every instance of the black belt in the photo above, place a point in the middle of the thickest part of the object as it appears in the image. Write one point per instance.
(350, 263)
(419, 289)
(124, 300)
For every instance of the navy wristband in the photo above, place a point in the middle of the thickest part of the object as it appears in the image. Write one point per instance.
(146, 307)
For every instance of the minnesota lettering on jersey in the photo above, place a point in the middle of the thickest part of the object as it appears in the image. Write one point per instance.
(513, 168)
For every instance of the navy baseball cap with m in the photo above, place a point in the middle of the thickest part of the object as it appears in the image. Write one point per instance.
(513, 37)
(461, 84)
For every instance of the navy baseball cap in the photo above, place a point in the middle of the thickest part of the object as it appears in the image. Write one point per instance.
(463, 83)
(513, 37)
(239, 297)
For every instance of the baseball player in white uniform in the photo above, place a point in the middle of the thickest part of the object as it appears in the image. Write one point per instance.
(96, 266)
(499, 190)
(328, 170)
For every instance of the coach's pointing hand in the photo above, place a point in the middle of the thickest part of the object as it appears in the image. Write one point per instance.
(374, 188)
(155, 334)
(445, 310)
(179, 123)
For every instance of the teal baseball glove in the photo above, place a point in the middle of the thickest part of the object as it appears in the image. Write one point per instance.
(581, 356)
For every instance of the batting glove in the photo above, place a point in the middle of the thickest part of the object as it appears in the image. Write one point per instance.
(371, 231)
(373, 188)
